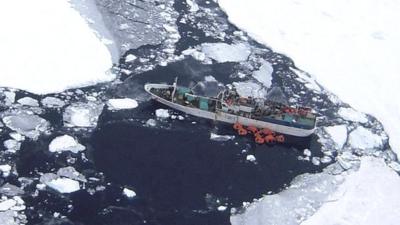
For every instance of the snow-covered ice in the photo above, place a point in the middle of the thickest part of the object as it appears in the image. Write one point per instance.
(338, 134)
(128, 193)
(264, 74)
(222, 52)
(249, 88)
(362, 138)
(64, 185)
(352, 115)
(28, 101)
(367, 196)
(65, 143)
(251, 158)
(5, 170)
(29, 125)
(122, 103)
(39, 61)
(130, 58)
(82, 114)
(351, 47)
(7, 204)
(162, 113)
(52, 102)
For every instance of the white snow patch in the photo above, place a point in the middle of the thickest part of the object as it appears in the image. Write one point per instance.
(48, 47)
(352, 53)
(162, 113)
(64, 185)
(222, 52)
(352, 115)
(122, 103)
(65, 143)
(362, 138)
(264, 74)
(338, 134)
(128, 193)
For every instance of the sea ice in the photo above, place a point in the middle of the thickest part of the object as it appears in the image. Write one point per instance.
(162, 113)
(7, 204)
(128, 193)
(28, 101)
(71, 55)
(64, 185)
(338, 134)
(122, 103)
(222, 52)
(251, 158)
(352, 115)
(264, 74)
(29, 125)
(10, 190)
(130, 58)
(82, 114)
(53, 102)
(5, 170)
(70, 172)
(362, 138)
(65, 143)
(250, 89)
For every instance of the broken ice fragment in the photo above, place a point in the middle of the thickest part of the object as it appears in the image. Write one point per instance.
(264, 74)
(217, 137)
(70, 172)
(64, 185)
(52, 102)
(7, 204)
(222, 52)
(162, 113)
(122, 103)
(251, 158)
(338, 134)
(128, 193)
(29, 125)
(65, 143)
(82, 115)
(130, 58)
(5, 170)
(352, 115)
(362, 138)
(28, 101)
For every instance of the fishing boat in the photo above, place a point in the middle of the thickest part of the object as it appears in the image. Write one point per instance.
(231, 108)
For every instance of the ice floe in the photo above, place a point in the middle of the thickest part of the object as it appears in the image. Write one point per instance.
(122, 103)
(250, 89)
(151, 123)
(64, 185)
(352, 115)
(5, 170)
(364, 139)
(28, 125)
(264, 74)
(52, 102)
(70, 172)
(65, 143)
(128, 193)
(130, 58)
(222, 52)
(82, 114)
(162, 113)
(28, 101)
(338, 134)
(251, 158)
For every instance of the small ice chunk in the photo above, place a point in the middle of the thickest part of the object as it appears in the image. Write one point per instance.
(264, 74)
(65, 143)
(338, 134)
(162, 113)
(326, 159)
(16, 136)
(70, 172)
(128, 193)
(29, 125)
(181, 117)
(28, 101)
(200, 56)
(316, 161)
(7, 204)
(362, 138)
(222, 52)
(82, 115)
(52, 102)
(307, 152)
(151, 123)
(64, 185)
(5, 170)
(130, 58)
(122, 103)
(10, 190)
(10, 97)
(12, 144)
(217, 137)
(222, 208)
(352, 115)
(251, 158)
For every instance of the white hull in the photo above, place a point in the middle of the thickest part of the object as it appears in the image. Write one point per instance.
(228, 118)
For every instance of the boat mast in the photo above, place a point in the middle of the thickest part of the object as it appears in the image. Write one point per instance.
(173, 92)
